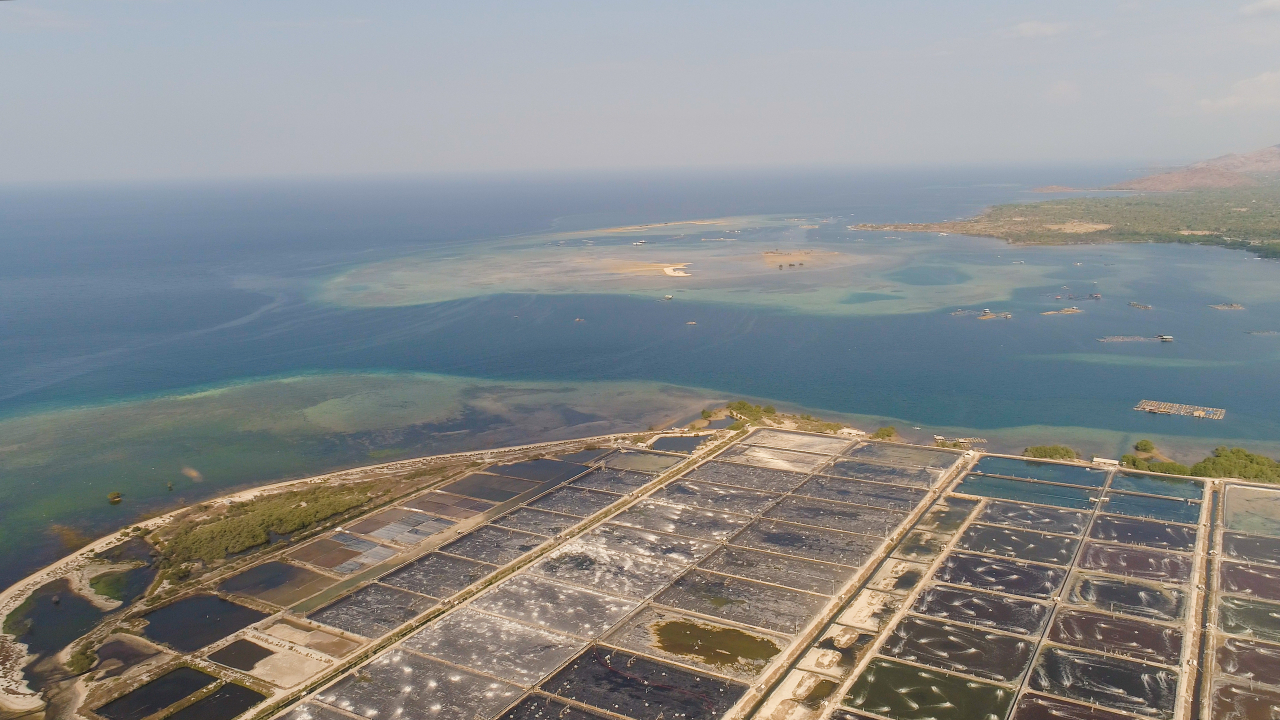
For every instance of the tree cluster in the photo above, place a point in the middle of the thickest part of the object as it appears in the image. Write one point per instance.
(1051, 452)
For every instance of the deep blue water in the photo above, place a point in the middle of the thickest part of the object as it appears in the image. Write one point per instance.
(111, 293)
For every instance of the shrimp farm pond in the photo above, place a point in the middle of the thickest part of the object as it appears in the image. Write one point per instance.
(767, 574)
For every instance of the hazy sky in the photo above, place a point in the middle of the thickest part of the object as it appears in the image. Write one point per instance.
(136, 89)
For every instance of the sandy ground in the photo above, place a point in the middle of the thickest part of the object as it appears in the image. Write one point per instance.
(80, 578)
(1078, 228)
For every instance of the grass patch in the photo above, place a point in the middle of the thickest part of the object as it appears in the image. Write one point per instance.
(249, 524)
(1240, 218)
(111, 584)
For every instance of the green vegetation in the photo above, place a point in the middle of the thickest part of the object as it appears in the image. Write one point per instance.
(953, 444)
(1051, 452)
(16, 622)
(720, 647)
(1145, 446)
(1169, 468)
(737, 425)
(1237, 463)
(706, 414)
(112, 585)
(1240, 218)
(80, 661)
(250, 524)
(888, 432)
(752, 413)
(1224, 462)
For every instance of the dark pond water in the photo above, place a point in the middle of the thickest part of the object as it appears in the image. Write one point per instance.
(224, 703)
(51, 618)
(156, 695)
(193, 622)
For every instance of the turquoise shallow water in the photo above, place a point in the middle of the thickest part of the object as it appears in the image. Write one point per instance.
(117, 295)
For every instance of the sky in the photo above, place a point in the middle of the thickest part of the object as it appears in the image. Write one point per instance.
(111, 90)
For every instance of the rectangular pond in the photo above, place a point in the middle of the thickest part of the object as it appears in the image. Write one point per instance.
(745, 601)
(958, 648)
(494, 545)
(546, 470)
(227, 702)
(1062, 473)
(1147, 533)
(276, 583)
(813, 543)
(718, 497)
(496, 646)
(1027, 491)
(189, 624)
(613, 480)
(156, 695)
(640, 688)
(438, 575)
(917, 477)
(1019, 543)
(908, 455)
(714, 647)
(796, 573)
(545, 603)
(773, 458)
(401, 684)
(682, 520)
(373, 610)
(492, 488)
(797, 441)
(982, 609)
(747, 476)
(857, 492)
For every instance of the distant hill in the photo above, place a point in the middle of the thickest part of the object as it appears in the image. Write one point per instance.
(1228, 171)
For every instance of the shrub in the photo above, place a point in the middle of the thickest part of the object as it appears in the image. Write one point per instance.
(80, 662)
(1237, 463)
(1169, 468)
(250, 524)
(744, 409)
(1051, 452)
(1145, 446)
(884, 433)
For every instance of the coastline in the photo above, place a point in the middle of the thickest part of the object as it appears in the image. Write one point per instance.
(17, 697)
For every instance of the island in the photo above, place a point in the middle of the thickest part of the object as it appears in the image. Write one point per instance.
(1232, 202)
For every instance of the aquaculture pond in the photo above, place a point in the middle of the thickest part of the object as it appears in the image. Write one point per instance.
(669, 608)
(157, 695)
(1064, 594)
(196, 621)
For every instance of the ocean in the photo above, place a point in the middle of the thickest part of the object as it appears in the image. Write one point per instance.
(187, 333)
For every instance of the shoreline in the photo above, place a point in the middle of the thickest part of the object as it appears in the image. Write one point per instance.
(17, 697)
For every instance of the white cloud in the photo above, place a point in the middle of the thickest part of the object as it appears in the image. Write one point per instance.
(1255, 93)
(1036, 29)
(1262, 7)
